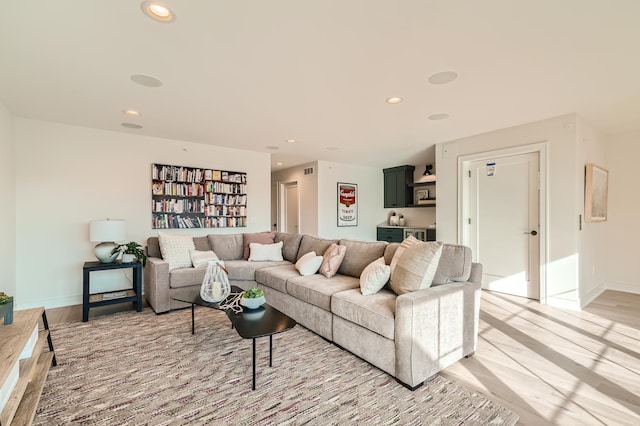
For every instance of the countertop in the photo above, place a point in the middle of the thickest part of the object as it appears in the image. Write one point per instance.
(386, 225)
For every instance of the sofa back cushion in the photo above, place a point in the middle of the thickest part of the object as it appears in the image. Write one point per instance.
(153, 245)
(227, 247)
(360, 254)
(389, 251)
(454, 265)
(291, 244)
(309, 243)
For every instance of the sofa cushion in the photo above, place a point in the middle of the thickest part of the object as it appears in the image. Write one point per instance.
(243, 270)
(454, 265)
(186, 277)
(359, 255)
(260, 237)
(317, 289)
(291, 244)
(416, 267)
(265, 252)
(406, 243)
(227, 247)
(375, 312)
(318, 245)
(202, 258)
(389, 251)
(153, 247)
(374, 277)
(332, 260)
(276, 277)
(176, 250)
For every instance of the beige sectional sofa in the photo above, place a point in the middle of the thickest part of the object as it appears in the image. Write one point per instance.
(411, 336)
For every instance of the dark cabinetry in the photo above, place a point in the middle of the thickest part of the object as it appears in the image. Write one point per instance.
(397, 192)
(390, 235)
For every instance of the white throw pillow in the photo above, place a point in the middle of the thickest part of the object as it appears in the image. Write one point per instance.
(265, 252)
(309, 263)
(201, 258)
(416, 267)
(374, 276)
(176, 249)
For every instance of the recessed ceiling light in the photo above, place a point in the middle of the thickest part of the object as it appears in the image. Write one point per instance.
(443, 77)
(132, 113)
(272, 147)
(146, 80)
(394, 100)
(439, 116)
(291, 141)
(332, 148)
(158, 11)
(131, 126)
(279, 163)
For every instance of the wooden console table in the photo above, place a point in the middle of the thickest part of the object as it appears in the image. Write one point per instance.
(20, 407)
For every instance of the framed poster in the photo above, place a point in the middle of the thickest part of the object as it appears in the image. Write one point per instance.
(347, 204)
(596, 192)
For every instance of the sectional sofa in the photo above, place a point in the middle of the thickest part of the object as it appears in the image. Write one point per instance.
(411, 336)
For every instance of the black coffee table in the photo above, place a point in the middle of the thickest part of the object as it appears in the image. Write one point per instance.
(250, 324)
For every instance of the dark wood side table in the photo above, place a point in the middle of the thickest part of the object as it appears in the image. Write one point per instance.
(91, 300)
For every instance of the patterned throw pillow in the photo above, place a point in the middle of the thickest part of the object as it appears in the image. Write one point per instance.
(176, 249)
(332, 260)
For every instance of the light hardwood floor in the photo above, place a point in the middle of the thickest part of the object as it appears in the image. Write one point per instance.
(550, 366)
(554, 366)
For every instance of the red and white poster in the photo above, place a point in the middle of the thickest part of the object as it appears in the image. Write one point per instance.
(347, 204)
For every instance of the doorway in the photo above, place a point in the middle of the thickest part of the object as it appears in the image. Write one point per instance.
(291, 208)
(503, 221)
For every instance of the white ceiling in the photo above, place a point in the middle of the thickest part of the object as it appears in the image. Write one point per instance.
(252, 73)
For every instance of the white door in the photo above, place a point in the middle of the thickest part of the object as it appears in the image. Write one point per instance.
(292, 208)
(504, 222)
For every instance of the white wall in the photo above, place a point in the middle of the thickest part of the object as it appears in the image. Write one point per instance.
(370, 202)
(562, 195)
(8, 210)
(67, 176)
(620, 244)
(307, 194)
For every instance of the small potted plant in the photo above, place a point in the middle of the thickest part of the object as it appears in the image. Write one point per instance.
(130, 251)
(253, 298)
(6, 308)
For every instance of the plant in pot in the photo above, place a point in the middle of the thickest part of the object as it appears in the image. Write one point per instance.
(130, 251)
(253, 298)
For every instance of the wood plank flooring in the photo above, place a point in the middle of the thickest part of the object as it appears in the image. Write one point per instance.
(551, 366)
(558, 367)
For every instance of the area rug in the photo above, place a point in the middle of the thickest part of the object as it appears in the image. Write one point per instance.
(141, 368)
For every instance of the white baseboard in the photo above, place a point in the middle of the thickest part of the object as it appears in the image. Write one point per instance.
(51, 302)
(591, 295)
(556, 302)
(624, 286)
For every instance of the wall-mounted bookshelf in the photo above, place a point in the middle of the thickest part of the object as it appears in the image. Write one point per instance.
(190, 197)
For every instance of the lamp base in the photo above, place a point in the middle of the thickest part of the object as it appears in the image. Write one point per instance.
(103, 252)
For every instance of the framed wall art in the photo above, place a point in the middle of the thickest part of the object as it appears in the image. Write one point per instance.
(347, 204)
(596, 193)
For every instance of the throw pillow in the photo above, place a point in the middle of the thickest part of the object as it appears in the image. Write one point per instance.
(374, 277)
(202, 257)
(332, 260)
(309, 263)
(416, 267)
(262, 238)
(265, 252)
(408, 242)
(175, 249)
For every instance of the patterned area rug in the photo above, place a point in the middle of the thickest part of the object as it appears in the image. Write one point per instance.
(147, 369)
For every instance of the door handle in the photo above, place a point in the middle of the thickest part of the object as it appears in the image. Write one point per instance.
(534, 233)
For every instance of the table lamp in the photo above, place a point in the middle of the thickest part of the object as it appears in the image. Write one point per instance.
(106, 232)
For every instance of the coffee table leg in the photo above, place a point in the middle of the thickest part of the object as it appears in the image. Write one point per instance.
(254, 364)
(193, 319)
(270, 350)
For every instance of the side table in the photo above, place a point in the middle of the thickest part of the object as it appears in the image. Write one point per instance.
(91, 300)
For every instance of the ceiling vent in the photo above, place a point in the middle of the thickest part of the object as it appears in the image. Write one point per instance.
(308, 171)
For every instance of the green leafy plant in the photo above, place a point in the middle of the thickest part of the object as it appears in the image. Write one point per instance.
(3, 298)
(132, 248)
(253, 293)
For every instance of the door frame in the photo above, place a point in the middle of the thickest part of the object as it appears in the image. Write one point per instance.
(282, 204)
(464, 192)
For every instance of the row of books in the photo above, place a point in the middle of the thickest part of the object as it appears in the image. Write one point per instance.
(226, 188)
(170, 221)
(195, 175)
(178, 206)
(225, 210)
(226, 199)
(181, 189)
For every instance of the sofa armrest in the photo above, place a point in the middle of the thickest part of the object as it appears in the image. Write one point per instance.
(476, 273)
(156, 284)
(434, 328)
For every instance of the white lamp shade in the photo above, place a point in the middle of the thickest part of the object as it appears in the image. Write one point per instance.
(106, 230)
